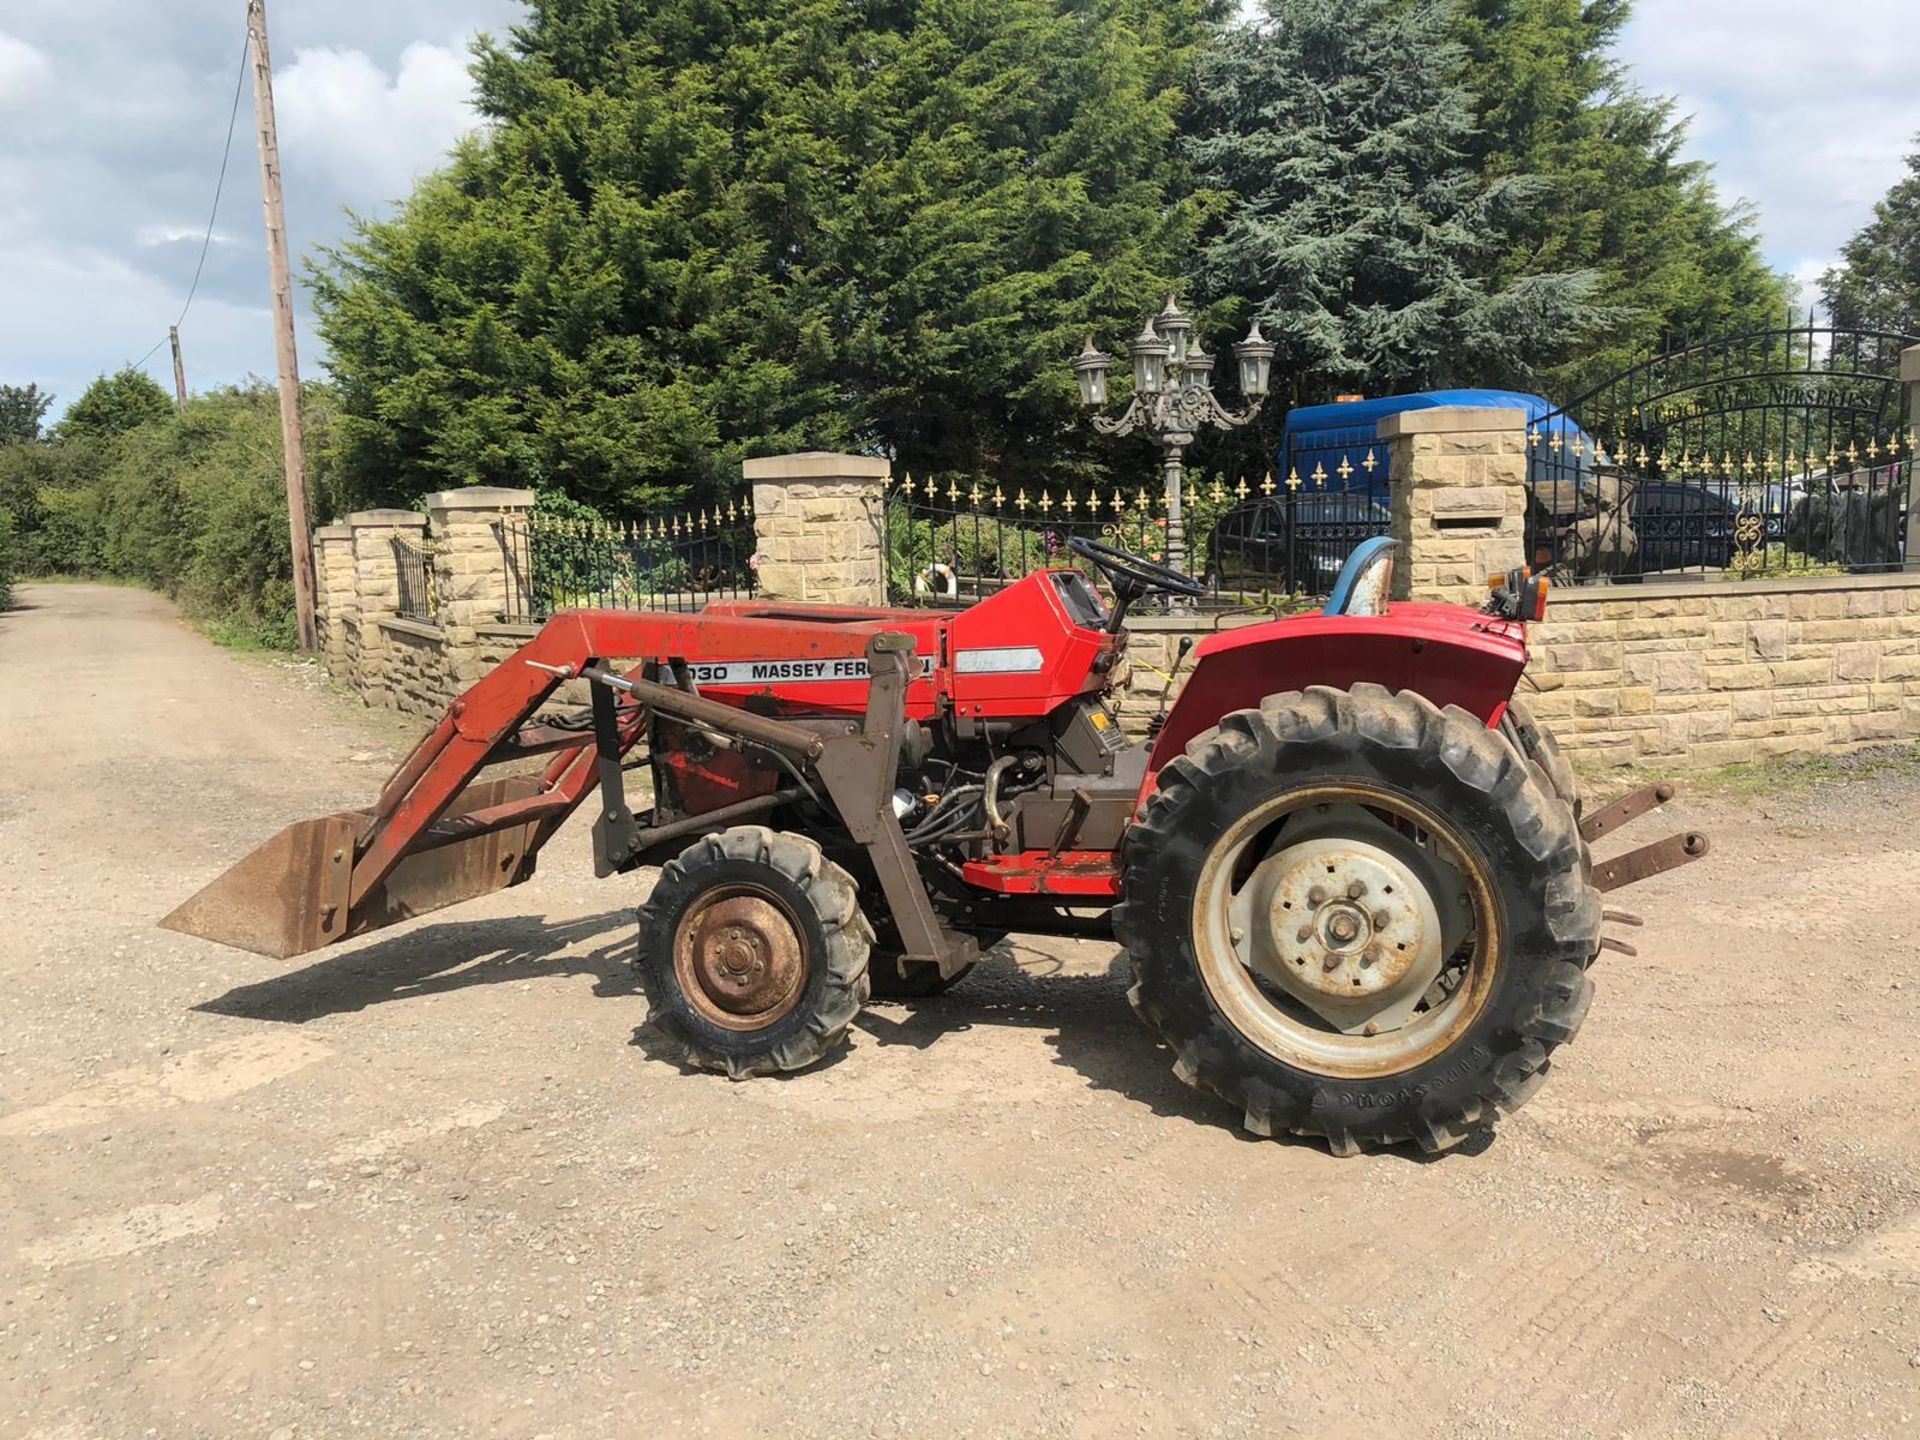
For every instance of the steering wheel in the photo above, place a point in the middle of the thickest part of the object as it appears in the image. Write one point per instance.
(1142, 575)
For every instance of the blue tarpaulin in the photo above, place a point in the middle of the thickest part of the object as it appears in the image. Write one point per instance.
(1337, 447)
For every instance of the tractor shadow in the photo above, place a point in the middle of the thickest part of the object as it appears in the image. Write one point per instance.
(439, 958)
(1092, 1032)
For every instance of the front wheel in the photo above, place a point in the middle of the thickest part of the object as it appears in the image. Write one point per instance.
(753, 952)
(1357, 916)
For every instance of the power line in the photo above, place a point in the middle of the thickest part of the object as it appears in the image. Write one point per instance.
(219, 185)
(239, 82)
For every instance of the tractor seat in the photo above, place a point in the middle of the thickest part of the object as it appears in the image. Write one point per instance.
(1366, 580)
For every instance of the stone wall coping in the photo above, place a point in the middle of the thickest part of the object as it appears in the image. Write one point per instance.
(388, 519)
(1452, 420)
(817, 465)
(1564, 595)
(334, 532)
(419, 629)
(1910, 365)
(480, 497)
(512, 629)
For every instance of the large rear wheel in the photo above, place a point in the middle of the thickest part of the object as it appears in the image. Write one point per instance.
(1537, 743)
(1357, 916)
(753, 952)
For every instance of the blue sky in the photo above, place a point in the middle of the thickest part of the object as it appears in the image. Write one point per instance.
(115, 110)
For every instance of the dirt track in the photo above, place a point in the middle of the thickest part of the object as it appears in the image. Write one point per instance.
(445, 1182)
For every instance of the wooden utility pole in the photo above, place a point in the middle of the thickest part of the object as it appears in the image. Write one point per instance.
(291, 433)
(179, 370)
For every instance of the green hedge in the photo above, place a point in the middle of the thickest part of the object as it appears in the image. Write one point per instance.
(192, 504)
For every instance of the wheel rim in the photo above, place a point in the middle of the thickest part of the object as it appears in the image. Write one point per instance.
(1346, 930)
(741, 957)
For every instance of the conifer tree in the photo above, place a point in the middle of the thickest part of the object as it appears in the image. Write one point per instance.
(1617, 197)
(1361, 233)
(697, 231)
(1877, 284)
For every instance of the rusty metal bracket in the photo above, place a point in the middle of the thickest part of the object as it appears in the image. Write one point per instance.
(859, 771)
(1627, 808)
(1649, 860)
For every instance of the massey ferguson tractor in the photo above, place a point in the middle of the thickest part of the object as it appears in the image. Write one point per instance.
(1350, 872)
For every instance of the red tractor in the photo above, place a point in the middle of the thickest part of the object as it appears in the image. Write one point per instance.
(1349, 871)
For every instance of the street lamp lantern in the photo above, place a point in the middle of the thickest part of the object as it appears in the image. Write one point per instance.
(1149, 354)
(1199, 367)
(1255, 354)
(1173, 397)
(1175, 325)
(1090, 369)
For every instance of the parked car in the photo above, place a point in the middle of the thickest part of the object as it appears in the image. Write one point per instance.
(1291, 542)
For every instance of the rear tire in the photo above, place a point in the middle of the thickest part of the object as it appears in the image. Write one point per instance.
(1538, 744)
(753, 952)
(1430, 793)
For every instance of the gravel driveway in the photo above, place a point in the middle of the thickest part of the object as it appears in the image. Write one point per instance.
(444, 1181)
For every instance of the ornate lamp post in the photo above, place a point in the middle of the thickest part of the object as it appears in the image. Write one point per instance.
(1173, 397)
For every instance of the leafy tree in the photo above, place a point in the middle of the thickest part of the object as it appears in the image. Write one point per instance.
(1877, 284)
(113, 405)
(1618, 200)
(695, 232)
(1361, 233)
(22, 408)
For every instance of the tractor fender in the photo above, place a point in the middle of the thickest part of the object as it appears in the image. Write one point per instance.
(1448, 653)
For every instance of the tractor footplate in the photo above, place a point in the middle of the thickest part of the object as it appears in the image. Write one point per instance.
(1649, 860)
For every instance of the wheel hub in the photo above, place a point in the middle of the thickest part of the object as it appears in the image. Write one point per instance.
(1343, 917)
(745, 957)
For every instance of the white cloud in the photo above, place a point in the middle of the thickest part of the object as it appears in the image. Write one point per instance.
(371, 132)
(149, 236)
(1807, 116)
(25, 71)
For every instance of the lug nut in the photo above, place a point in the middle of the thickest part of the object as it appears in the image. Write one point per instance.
(1304, 934)
(1381, 919)
(1236, 934)
(1367, 959)
(1317, 896)
(1356, 889)
(1330, 964)
(1372, 1029)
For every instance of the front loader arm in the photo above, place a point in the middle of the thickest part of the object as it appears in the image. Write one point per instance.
(438, 833)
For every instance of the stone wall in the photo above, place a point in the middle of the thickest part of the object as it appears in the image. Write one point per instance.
(1670, 676)
(1698, 676)
(1683, 676)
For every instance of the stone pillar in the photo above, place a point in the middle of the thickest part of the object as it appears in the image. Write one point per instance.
(376, 580)
(470, 560)
(1459, 499)
(1910, 377)
(336, 605)
(818, 527)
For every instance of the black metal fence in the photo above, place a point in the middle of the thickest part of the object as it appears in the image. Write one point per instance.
(1255, 543)
(1782, 452)
(673, 562)
(419, 597)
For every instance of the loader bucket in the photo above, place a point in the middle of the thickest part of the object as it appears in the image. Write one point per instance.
(293, 894)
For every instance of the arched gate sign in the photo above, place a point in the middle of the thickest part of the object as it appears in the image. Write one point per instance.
(1780, 452)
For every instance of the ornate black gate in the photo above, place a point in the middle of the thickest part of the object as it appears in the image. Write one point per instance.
(1780, 452)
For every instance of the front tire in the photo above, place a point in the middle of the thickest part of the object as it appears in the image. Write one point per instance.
(1357, 916)
(753, 952)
